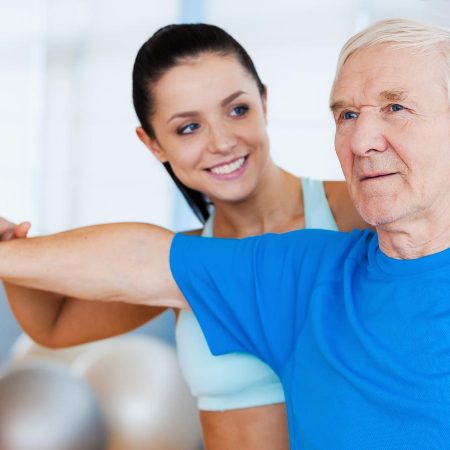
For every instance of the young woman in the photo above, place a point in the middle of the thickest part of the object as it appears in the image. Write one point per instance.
(202, 110)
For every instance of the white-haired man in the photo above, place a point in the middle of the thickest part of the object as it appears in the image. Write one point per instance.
(357, 325)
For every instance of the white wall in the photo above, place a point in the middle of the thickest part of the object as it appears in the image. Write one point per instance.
(69, 155)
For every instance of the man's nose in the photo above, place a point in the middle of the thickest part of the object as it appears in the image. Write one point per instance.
(221, 139)
(368, 135)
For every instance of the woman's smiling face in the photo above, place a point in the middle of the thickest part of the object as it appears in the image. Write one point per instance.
(210, 125)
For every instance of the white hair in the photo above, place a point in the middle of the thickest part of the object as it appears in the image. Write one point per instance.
(400, 33)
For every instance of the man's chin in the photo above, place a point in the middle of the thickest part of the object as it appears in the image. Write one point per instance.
(378, 218)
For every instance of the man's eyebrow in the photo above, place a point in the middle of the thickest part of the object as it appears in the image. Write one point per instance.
(224, 102)
(393, 95)
(338, 105)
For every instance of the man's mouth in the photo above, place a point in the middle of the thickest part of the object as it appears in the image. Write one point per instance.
(375, 176)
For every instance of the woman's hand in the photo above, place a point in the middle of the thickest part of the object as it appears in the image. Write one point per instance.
(10, 230)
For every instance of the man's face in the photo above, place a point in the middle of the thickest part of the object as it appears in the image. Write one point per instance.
(392, 113)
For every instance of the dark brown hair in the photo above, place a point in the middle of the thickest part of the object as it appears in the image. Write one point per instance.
(165, 49)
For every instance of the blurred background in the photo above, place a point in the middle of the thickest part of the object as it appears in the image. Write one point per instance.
(69, 155)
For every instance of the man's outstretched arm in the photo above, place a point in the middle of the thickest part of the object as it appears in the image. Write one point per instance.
(105, 263)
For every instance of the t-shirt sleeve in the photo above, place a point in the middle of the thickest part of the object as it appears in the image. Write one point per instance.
(249, 295)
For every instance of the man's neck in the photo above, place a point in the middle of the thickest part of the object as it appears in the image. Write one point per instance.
(414, 239)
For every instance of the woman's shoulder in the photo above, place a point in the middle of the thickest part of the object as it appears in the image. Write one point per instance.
(345, 214)
(197, 232)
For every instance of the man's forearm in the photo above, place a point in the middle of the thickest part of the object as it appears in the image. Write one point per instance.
(123, 262)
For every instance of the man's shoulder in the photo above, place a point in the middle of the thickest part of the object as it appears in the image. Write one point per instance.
(315, 248)
(323, 238)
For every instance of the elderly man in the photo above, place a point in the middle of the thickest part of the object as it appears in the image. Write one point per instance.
(357, 325)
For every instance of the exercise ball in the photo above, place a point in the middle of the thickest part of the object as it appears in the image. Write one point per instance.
(25, 349)
(146, 403)
(43, 406)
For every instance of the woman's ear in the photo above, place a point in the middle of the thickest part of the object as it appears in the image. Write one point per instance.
(151, 144)
(264, 101)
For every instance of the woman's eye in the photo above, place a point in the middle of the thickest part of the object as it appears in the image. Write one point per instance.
(239, 110)
(188, 129)
(396, 107)
(348, 115)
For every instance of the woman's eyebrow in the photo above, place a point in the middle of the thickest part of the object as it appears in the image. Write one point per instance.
(231, 97)
(183, 114)
(224, 102)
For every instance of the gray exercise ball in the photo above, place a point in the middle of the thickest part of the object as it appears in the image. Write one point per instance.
(43, 406)
(146, 402)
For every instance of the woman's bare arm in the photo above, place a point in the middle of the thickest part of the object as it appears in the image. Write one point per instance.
(56, 321)
(115, 263)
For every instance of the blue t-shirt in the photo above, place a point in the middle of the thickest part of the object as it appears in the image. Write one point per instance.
(360, 341)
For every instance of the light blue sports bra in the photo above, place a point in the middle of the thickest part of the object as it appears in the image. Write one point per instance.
(238, 380)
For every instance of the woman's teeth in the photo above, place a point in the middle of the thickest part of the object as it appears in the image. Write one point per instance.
(228, 168)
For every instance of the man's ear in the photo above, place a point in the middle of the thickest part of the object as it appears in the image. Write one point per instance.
(151, 144)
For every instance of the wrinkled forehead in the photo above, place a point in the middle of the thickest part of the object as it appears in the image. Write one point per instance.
(383, 68)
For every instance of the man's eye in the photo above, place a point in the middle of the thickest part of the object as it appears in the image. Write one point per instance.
(396, 107)
(348, 115)
(239, 110)
(188, 129)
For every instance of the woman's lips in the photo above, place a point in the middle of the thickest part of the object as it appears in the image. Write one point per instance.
(229, 170)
